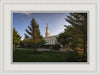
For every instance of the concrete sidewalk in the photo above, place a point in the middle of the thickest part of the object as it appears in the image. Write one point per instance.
(43, 50)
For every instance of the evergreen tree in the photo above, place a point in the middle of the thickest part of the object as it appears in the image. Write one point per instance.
(16, 38)
(67, 37)
(34, 35)
(27, 41)
(79, 23)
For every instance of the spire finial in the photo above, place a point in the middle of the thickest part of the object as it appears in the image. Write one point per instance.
(47, 24)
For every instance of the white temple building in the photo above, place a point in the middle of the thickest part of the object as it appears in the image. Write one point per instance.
(50, 40)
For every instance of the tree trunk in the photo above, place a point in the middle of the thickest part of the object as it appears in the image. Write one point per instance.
(34, 51)
(14, 47)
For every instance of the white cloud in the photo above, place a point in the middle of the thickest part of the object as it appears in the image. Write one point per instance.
(28, 14)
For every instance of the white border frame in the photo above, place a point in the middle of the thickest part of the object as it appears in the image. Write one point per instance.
(4, 70)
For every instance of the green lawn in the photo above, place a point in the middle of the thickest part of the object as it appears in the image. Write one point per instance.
(43, 56)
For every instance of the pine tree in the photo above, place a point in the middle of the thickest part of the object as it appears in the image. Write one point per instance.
(26, 42)
(34, 35)
(79, 23)
(16, 38)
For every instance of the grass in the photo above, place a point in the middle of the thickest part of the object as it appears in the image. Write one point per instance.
(43, 56)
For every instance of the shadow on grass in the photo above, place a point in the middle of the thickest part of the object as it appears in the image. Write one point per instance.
(47, 56)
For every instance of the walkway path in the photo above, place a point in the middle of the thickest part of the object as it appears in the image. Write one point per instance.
(42, 50)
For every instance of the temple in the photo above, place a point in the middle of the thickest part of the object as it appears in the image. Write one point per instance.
(50, 40)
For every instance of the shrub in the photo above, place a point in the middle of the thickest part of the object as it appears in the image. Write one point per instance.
(47, 46)
(56, 47)
(50, 47)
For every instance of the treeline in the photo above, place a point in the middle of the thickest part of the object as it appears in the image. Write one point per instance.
(74, 35)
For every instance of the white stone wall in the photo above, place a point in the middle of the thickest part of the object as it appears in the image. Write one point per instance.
(51, 40)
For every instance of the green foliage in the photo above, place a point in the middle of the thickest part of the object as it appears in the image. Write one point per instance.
(66, 37)
(79, 23)
(27, 43)
(47, 46)
(51, 47)
(34, 39)
(47, 56)
(75, 35)
(75, 57)
(16, 37)
(56, 46)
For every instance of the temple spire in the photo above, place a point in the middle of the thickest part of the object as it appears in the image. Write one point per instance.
(47, 31)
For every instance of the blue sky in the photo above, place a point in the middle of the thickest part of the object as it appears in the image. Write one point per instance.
(55, 21)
